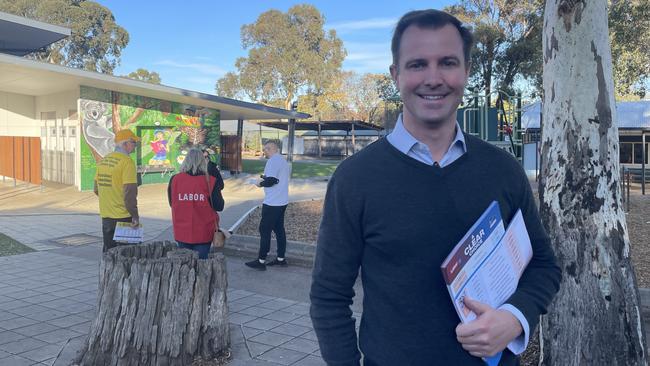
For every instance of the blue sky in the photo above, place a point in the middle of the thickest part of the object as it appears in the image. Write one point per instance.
(192, 43)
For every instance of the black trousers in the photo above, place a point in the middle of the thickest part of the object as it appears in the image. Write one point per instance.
(272, 220)
(108, 231)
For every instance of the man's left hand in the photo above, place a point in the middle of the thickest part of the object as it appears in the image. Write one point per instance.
(490, 332)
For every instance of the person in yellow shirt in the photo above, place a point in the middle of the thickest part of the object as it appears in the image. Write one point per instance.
(117, 188)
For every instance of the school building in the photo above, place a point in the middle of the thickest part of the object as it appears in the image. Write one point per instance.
(57, 122)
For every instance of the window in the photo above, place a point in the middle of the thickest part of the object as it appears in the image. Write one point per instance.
(631, 153)
(626, 153)
(638, 153)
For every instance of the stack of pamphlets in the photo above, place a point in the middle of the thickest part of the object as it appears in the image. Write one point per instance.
(487, 262)
(125, 233)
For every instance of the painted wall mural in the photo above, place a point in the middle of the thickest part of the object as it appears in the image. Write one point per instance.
(167, 130)
(97, 126)
(159, 147)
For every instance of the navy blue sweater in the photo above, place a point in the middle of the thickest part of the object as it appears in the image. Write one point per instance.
(396, 219)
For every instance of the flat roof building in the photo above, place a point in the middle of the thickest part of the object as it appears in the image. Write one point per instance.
(68, 117)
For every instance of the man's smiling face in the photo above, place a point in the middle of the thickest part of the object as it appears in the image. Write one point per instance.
(431, 75)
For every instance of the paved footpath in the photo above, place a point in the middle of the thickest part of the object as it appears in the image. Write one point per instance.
(48, 297)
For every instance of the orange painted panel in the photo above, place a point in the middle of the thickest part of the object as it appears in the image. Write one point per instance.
(35, 160)
(6, 156)
(20, 157)
(25, 153)
(19, 172)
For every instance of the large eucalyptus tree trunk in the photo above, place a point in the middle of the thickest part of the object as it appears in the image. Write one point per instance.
(595, 318)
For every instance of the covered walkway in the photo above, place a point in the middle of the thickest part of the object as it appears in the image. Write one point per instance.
(350, 127)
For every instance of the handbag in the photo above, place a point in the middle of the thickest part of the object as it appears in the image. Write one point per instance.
(219, 238)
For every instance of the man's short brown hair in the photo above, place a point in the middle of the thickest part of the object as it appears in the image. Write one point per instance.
(433, 19)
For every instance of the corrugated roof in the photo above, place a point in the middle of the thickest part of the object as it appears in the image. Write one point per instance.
(630, 115)
(325, 125)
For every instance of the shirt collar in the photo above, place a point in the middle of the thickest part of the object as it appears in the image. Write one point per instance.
(404, 141)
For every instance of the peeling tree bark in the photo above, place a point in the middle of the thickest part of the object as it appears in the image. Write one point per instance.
(595, 318)
(158, 305)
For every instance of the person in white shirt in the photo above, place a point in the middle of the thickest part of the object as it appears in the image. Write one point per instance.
(276, 197)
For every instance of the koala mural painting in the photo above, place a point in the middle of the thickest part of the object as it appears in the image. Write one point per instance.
(96, 126)
(166, 128)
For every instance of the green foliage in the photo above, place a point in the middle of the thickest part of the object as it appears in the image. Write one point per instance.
(387, 89)
(287, 53)
(184, 140)
(253, 166)
(329, 103)
(252, 142)
(96, 41)
(144, 75)
(365, 99)
(228, 86)
(507, 41)
(213, 136)
(299, 169)
(509, 44)
(388, 93)
(629, 33)
(302, 170)
(349, 96)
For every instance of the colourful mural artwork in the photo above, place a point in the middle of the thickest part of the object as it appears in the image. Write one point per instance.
(167, 131)
(159, 147)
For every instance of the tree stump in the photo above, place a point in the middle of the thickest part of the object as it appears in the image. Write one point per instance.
(158, 305)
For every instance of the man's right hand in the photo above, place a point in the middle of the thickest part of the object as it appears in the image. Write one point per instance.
(135, 222)
(490, 333)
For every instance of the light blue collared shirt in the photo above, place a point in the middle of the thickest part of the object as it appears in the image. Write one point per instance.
(409, 145)
(403, 141)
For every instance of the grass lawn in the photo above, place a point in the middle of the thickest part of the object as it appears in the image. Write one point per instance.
(300, 169)
(9, 246)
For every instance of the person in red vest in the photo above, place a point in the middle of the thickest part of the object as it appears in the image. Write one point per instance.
(193, 196)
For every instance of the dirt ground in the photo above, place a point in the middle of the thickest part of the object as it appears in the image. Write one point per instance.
(301, 221)
(638, 225)
(303, 218)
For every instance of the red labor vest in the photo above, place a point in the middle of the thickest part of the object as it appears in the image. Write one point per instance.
(193, 218)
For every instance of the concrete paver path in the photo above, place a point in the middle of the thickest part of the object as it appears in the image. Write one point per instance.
(48, 297)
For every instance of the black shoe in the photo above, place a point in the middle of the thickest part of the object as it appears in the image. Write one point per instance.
(276, 262)
(255, 264)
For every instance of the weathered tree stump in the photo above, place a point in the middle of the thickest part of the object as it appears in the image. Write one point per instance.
(158, 305)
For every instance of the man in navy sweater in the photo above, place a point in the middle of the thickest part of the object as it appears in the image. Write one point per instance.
(398, 207)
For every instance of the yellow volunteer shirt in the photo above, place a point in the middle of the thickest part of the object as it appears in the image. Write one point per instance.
(113, 172)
